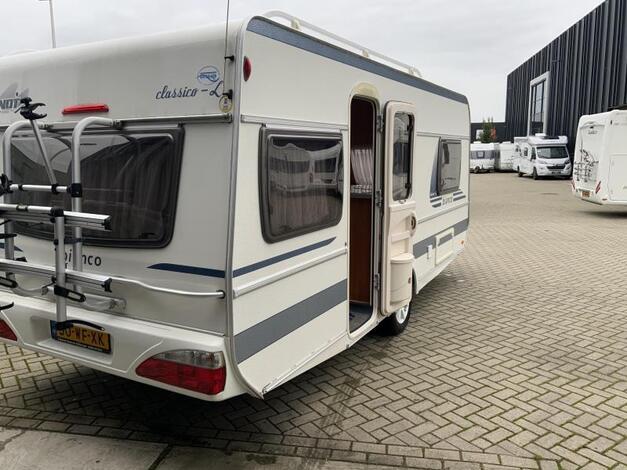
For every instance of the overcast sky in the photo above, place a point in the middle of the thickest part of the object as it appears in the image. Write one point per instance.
(469, 46)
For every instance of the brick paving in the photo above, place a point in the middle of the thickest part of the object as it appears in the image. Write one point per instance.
(515, 357)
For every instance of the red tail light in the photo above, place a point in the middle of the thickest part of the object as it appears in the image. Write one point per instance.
(6, 332)
(199, 371)
(598, 188)
(86, 108)
(248, 68)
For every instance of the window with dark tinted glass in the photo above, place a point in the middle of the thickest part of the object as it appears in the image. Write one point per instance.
(300, 183)
(449, 166)
(133, 177)
(403, 142)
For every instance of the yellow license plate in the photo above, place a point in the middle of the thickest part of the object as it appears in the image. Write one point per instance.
(83, 337)
(585, 193)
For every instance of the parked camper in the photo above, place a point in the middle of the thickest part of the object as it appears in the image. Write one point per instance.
(231, 223)
(600, 165)
(483, 156)
(542, 155)
(506, 157)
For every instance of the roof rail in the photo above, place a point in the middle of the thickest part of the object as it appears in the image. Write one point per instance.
(320, 33)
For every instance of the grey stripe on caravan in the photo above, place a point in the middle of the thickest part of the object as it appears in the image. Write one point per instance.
(258, 337)
(445, 238)
(422, 246)
(278, 32)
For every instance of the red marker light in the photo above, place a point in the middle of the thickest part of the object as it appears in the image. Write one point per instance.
(248, 68)
(199, 371)
(86, 108)
(6, 332)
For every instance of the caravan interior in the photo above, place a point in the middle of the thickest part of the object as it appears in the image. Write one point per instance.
(362, 217)
(218, 225)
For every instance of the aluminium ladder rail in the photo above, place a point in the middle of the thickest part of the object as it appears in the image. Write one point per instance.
(301, 25)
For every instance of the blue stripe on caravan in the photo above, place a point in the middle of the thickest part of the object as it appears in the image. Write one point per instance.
(2, 247)
(279, 258)
(258, 337)
(209, 272)
(422, 247)
(182, 268)
(286, 35)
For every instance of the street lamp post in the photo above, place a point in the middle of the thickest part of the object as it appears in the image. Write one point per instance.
(52, 31)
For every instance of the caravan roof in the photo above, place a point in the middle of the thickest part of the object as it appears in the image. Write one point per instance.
(542, 139)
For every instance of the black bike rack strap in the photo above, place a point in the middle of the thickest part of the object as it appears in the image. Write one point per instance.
(69, 294)
(6, 282)
(7, 306)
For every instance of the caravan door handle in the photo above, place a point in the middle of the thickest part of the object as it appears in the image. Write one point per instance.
(413, 222)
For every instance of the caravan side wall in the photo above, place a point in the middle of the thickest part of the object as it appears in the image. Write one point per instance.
(290, 89)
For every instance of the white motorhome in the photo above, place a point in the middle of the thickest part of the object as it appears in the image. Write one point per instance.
(600, 160)
(483, 156)
(507, 156)
(222, 224)
(542, 155)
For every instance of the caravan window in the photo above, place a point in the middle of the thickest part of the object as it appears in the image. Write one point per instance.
(403, 142)
(300, 183)
(133, 177)
(449, 166)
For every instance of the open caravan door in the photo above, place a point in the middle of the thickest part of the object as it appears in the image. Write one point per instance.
(399, 208)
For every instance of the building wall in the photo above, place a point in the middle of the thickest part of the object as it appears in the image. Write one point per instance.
(588, 73)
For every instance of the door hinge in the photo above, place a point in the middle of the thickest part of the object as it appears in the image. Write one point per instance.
(379, 123)
(378, 198)
(376, 281)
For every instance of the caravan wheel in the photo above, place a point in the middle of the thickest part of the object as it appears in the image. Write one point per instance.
(396, 323)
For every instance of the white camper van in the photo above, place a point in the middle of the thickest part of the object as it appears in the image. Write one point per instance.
(542, 155)
(507, 156)
(221, 225)
(483, 156)
(600, 166)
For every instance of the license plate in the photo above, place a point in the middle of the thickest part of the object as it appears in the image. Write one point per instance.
(83, 337)
(585, 193)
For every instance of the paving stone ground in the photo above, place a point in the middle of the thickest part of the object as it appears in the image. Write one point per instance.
(515, 357)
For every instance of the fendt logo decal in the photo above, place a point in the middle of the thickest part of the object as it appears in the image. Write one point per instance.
(10, 98)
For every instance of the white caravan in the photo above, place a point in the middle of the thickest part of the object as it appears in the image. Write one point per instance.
(232, 222)
(483, 156)
(542, 155)
(600, 165)
(507, 156)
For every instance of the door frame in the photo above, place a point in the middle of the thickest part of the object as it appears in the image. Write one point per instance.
(367, 92)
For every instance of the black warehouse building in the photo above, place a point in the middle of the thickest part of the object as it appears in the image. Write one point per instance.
(583, 71)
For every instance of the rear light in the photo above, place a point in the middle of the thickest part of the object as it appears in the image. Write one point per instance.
(86, 108)
(598, 188)
(248, 68)
(199, 371)
(6, 332)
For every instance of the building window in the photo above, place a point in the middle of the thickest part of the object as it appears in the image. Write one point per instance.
(538, 98)
(403, 142)
(447, 168)
(300, 183)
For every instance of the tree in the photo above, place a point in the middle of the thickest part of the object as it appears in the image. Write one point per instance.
(488, 133)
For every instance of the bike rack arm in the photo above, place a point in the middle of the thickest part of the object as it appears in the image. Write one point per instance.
(76, 189)
(9, 244)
